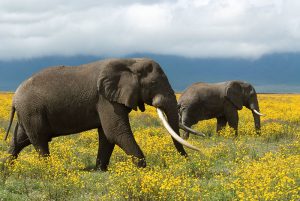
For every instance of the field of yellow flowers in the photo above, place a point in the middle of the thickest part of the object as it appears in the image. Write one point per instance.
(250, 167)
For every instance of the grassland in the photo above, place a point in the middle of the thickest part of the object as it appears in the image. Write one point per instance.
(250, 167)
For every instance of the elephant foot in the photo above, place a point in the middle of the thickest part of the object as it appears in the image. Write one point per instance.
(258, 132)
(139, 162)
(185, 136)
(102, 168)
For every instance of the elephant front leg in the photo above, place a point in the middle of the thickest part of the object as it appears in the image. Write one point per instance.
(127, 142)
(231, 114)
(186, 134)
(187, 122)
(104, 151)
(221, 123)
(115, 123)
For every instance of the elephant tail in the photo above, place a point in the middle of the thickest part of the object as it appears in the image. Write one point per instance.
(12, 114)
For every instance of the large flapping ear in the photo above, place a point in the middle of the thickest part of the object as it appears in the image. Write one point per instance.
(252, 90)
(247, 88)
(118, 83)
(234, 93)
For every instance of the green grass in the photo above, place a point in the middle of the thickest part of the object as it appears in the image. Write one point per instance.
(211, 171)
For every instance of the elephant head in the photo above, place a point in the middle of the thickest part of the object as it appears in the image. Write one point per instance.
(241, 94)
(135, 82)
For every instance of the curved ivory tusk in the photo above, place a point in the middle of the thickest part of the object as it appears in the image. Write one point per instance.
(184, 127)
(256, 112)
(172, 132)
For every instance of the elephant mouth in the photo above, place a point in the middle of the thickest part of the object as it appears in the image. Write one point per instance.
(172, 132)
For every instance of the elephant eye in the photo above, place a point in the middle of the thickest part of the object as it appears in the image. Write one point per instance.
(153, 84)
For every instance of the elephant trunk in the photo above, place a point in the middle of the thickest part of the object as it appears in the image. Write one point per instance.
(256, 115)
(256, 122)
(169, 106)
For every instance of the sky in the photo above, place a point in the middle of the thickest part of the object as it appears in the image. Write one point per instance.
(189, 28)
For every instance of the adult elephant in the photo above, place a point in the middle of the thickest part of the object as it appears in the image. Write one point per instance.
(64, 100)
(222, 100)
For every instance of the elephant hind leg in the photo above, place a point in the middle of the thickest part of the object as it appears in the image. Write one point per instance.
(19, 141)
(38, 132)
(104, 151)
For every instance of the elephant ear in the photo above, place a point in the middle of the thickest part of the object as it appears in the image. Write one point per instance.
(234, 94)
(117, 83)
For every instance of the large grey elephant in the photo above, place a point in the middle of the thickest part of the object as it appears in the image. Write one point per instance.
(64, 100)
(222, 100)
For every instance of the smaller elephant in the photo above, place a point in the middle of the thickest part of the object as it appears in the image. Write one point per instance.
(202, 101)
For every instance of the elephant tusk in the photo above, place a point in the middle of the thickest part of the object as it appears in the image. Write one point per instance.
(256, 112)
(172, 132)
(185, 128)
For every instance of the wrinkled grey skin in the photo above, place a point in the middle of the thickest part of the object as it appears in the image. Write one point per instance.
(65, 100)
(222, 100)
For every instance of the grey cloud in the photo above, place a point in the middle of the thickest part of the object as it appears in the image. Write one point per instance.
(211, 28)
